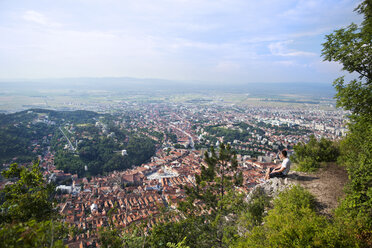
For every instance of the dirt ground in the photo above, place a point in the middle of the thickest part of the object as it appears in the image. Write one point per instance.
(327, 185)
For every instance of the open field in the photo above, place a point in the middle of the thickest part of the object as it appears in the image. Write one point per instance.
(94, 99)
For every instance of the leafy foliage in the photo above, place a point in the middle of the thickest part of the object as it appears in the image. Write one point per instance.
(39, 129)
(77, 116)
(178, 245)
(285, 129)
(115, 238)
(171, 136)
(15, 140)
(232, 134)
(352, 47)
(102, 154)
(243, 132)
(28, 197)
(28, 217)
(293, 222)
(32, 233)
(210, 210)
(308, 156)
(254, 213)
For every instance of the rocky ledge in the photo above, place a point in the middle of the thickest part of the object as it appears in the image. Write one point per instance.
(272, 187)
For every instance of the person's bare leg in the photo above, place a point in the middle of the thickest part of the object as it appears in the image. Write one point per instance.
(267, 174)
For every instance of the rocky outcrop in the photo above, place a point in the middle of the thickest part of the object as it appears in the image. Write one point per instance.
(271, 187)
(326, 185)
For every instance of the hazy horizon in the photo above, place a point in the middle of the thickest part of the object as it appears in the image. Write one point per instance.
(120, 85)
(185, 40)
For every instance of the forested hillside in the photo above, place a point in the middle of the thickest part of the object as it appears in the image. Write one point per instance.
(26, 134)
(82, 142)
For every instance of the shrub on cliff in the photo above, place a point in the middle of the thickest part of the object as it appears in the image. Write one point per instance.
(294, 222)
(309, 156)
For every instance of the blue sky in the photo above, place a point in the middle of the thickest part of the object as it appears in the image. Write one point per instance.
(226, 41)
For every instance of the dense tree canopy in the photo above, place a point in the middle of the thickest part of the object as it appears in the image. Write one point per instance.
(102, 155)
(308, 156)
(28, 217)
(16, 141)
(352, 48)
(28, 198)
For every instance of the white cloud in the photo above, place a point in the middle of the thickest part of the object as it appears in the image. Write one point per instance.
(173, 39)
(280, 49)
(38, 18)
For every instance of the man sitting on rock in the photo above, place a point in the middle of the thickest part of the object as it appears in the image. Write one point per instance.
(281, 170)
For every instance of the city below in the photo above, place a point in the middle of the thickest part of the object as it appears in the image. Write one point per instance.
(181, 132)
(185, 124)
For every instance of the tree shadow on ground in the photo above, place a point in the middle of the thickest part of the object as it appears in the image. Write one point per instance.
(323, 209)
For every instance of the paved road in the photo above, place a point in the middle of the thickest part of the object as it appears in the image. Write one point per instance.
(69, 142)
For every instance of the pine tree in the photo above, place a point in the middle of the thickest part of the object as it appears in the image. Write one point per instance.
(207, 217)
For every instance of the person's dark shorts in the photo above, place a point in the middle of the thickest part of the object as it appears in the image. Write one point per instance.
(275, 174)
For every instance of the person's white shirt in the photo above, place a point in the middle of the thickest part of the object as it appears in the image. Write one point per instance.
(286, 164)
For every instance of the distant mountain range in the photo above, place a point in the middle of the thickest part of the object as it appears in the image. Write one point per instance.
(124, 84)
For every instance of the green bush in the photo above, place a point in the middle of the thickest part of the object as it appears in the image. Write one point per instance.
(28, 216)
(33, 234)
(350, 46)
(309, 156)
(293, 222)
(308, 164)
(255, 211)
